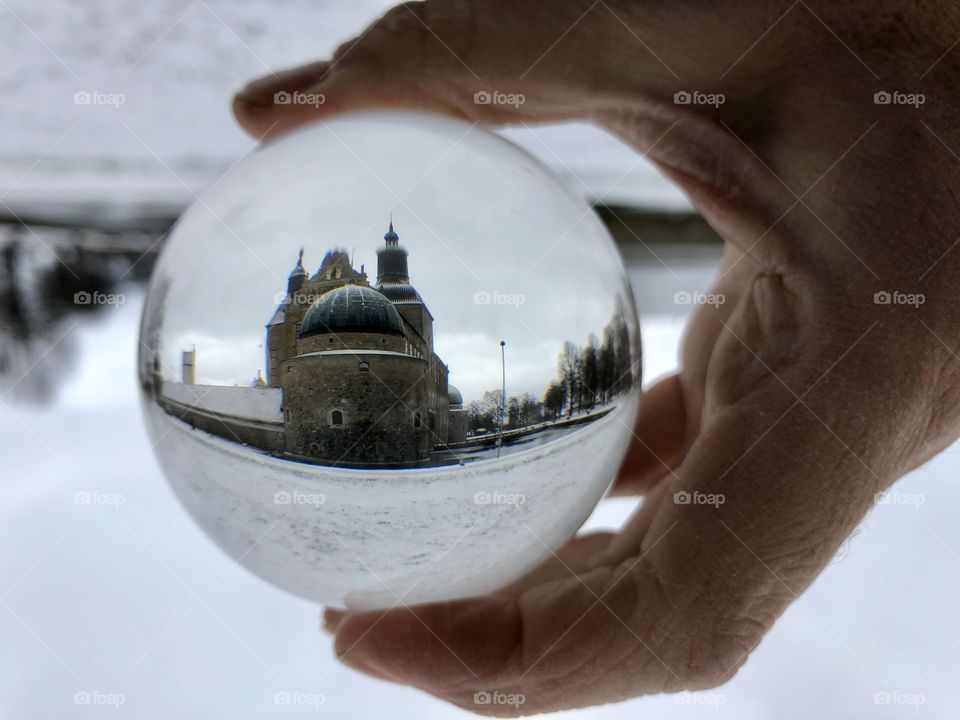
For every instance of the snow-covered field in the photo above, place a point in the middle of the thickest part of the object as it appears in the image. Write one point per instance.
(368, 539)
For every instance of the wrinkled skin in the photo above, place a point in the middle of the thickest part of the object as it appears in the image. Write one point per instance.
(799, 398)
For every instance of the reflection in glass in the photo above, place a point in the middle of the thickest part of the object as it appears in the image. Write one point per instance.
(479, 379)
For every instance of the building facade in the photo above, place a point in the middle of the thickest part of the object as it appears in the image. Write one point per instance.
(361, 383)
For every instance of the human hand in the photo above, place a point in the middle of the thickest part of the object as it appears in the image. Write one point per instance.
(799, 398)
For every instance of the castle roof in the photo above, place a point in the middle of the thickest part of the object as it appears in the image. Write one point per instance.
(400, 293)
(454, 397)
(299, 269)
(352, 308)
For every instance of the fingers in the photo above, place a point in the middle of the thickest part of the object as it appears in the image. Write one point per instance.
(660, 438)
(559, 645)
(430, 56)
(672, 409)
(578, 555)
(501, 61)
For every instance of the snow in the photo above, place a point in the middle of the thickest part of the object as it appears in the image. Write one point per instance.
(251, 403)
(365, 539)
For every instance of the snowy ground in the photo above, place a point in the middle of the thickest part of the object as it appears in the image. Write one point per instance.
(366, 539)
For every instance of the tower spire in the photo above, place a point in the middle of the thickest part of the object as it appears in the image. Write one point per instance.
(298, 269)
(391, 235)
(297, 276)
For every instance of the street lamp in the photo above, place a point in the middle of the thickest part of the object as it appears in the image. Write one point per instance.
(503, 394)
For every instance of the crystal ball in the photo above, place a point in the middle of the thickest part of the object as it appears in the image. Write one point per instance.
(389, 358)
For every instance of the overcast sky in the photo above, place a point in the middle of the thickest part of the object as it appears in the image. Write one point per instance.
(479, 217)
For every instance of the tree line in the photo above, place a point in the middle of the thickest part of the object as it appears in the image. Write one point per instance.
(588, 375)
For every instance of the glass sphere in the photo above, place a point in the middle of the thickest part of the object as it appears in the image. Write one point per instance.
(389, 358)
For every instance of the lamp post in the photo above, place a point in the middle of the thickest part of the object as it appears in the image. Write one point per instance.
(503, 394)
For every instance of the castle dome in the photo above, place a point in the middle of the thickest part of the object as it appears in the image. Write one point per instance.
(352, 308)
(454, 398)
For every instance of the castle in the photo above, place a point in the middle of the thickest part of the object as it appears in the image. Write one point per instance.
(352, 376)
(360, 380)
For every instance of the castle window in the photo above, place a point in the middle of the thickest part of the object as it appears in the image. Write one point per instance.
(416, 420)
(364, 367)
(331, 340)
(336, 418)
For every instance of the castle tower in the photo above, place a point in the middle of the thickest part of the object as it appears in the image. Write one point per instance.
(188, 367)
(393, 280)
(298, 276)
(392, 260)
(282, 330)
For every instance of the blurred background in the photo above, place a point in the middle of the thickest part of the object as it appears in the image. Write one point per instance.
(115, 117)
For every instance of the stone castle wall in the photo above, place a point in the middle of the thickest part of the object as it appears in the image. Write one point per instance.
(351, 341)
(378, 407)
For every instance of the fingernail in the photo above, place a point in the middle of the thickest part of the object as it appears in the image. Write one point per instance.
(261, 91)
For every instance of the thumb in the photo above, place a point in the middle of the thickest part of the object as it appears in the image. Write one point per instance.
(597, 636)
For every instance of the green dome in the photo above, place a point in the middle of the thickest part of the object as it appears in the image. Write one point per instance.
(352, 308)
(454, 398)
